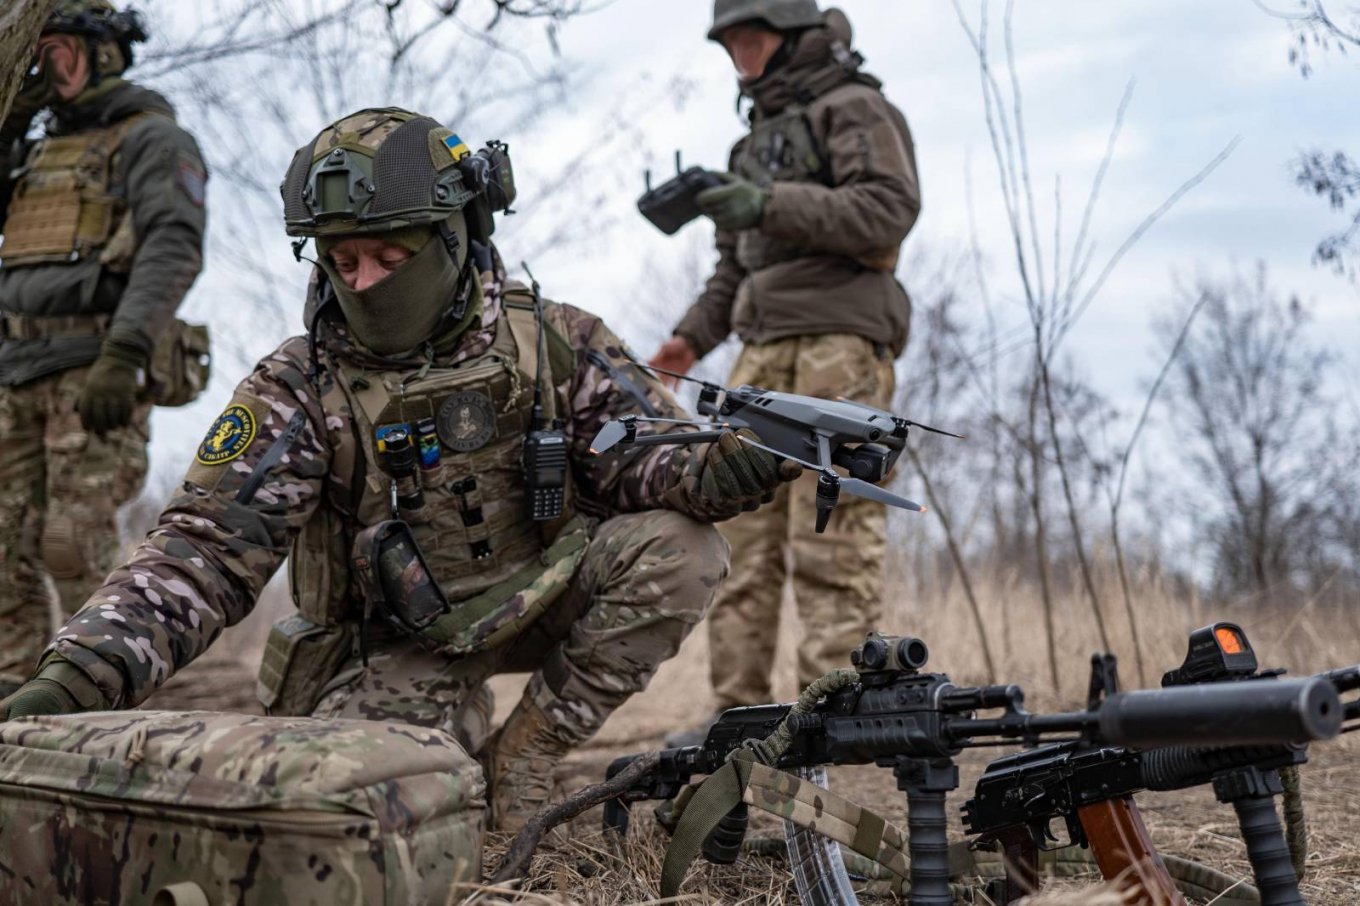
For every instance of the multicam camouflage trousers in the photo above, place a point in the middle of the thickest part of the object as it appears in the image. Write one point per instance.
(837, 577)
(60, 489)
(645, 582)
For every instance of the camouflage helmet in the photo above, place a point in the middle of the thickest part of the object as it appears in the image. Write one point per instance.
(99, 22)
(782, 15)
(385, 169)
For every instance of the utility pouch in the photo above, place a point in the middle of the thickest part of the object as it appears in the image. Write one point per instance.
(300, 657)
(180, 364)
(395, 579)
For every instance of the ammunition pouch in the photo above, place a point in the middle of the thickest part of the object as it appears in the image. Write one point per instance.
(181, 364)
(394, 578)
(507, 609)
(300, 657)
(398, 584)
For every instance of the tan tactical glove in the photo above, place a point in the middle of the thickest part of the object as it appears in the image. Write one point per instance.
(735, 477)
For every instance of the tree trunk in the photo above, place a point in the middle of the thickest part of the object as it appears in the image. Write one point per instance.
(20, 23)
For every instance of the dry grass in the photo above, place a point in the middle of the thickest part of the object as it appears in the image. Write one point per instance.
(579, 865)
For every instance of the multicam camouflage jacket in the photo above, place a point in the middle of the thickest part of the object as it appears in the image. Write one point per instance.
(281, 463)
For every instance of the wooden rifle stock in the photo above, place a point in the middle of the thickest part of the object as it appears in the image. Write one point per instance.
(1125, 853)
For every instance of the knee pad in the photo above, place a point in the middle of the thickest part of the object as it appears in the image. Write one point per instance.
(61, 551)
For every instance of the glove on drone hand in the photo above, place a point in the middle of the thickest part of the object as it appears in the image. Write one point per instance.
(735, 477)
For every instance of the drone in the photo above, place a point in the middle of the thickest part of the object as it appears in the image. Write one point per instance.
(816, 434)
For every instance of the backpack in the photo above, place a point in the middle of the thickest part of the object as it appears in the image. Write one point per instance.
(205, 808)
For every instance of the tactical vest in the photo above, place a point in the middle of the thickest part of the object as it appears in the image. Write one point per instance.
(780, 148)
(784, 148)
(66, 207)
(500, 569)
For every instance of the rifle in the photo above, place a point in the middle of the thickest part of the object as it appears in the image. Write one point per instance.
(1019, 797)
(895, 716)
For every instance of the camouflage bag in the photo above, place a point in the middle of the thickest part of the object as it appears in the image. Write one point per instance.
(205, 808)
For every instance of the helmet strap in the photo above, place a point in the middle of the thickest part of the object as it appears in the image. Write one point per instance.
(92, 51)
(453, 244)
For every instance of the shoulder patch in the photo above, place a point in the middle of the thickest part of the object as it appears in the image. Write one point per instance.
(193, 182)
(228, 437)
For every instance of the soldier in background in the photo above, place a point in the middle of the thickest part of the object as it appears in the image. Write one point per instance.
(103, 225)
(426, 447)
(819, 198)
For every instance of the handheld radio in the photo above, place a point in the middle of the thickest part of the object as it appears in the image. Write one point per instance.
(545, 446)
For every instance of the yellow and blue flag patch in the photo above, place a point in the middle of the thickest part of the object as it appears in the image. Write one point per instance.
(457, 147)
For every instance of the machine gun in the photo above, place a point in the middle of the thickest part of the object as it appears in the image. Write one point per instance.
(1090, 788)
(864, 441)
(895, 716)
(672, 204)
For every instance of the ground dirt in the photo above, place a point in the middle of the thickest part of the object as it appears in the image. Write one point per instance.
(578, 864)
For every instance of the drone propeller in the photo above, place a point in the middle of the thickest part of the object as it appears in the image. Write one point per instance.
(611, 434)
(904, 424)
(707, 385)
(861, 488)
(830, 479)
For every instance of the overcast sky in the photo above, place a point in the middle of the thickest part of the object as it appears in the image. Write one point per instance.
(1206, 72)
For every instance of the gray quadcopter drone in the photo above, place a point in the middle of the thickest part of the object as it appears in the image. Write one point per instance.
(864, 441)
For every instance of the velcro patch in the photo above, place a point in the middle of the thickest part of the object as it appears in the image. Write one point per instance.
(193, 182)
(228, 437)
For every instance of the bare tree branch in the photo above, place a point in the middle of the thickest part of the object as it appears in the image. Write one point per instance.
(20, 24)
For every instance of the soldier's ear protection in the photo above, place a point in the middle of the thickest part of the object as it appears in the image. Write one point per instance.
(490, 175)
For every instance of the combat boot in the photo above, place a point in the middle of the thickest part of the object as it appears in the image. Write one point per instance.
(519, 762)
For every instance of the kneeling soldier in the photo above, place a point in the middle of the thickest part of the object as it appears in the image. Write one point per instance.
(422, 457)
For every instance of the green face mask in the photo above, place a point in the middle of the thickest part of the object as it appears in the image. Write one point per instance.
(407, 307)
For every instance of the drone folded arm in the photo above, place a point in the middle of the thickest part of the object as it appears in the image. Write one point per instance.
(692, 437)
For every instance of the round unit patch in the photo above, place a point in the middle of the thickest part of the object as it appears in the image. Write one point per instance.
(467, 421)
(228, 437)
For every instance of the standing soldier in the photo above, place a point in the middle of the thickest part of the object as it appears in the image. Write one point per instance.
(103, 232)
(819, 198)
(422, 457)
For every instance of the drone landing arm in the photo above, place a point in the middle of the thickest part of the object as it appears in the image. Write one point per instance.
(824, 452)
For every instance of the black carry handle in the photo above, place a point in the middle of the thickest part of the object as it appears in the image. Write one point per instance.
(1256, 712)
